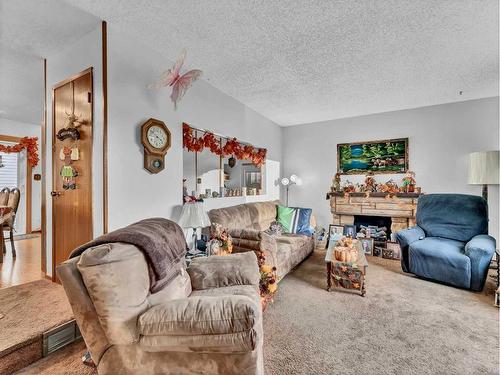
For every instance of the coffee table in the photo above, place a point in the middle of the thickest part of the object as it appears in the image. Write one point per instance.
(347, 275)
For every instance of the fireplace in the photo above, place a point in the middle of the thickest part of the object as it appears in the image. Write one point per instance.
(382, 223)
(399, 211)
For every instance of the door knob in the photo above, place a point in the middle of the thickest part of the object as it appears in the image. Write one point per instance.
(55, 193)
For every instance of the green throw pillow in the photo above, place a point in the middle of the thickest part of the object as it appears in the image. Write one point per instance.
(285, 217)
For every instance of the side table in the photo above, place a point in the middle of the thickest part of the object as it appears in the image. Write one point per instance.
(347, 275)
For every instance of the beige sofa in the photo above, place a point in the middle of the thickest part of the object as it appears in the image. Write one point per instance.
(207, 320)
(247, 224)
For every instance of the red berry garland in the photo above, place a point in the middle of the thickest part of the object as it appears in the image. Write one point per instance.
(231, 147)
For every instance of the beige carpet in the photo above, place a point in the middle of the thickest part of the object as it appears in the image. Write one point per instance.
(404, 325)
(26, 312)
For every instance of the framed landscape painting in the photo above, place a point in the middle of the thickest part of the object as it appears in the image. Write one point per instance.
(388, 156)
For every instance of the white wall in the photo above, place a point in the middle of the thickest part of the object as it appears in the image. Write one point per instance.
(84, 53)
(440, 139)
(22, 129)
(134, 193)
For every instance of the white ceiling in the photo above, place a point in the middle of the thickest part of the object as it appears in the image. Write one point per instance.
(29, 31)
(292, 61)
(305, 61)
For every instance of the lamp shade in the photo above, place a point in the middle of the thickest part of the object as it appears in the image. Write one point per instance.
(285, 181)
(484, 168)
(194, 216)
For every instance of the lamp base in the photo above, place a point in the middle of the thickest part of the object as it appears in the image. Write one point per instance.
(194, 250)
(485, 192)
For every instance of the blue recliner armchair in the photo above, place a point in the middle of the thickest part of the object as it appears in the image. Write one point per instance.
(450, 243)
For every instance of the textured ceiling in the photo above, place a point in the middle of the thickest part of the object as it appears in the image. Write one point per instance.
(305, 61)
(292, 61)
(29, 31)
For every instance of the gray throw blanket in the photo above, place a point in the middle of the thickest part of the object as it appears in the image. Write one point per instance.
(161, 241)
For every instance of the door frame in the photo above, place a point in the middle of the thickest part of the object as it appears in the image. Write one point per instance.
(54, 88)
(29, 176)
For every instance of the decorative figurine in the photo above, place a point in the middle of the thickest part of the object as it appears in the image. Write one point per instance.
(336, 183)
(409, 182)
(370, 184)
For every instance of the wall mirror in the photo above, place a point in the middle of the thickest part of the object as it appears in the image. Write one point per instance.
(218, 166)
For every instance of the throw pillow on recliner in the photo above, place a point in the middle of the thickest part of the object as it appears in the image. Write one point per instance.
(295, 220)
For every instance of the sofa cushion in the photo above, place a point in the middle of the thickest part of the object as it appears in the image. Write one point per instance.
(262, 214)
(227, 270)
(202, 315)
(250, 291)
(179, 287)
(117, 280)
(235, 217)
(440, 259)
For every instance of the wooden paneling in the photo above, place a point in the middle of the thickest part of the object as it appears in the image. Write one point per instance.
(72, 209)
(104, 34)
(44, 171)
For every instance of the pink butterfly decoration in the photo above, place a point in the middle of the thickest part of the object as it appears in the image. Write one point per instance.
(179, 83)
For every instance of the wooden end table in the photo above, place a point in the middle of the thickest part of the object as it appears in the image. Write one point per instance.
(347, 275)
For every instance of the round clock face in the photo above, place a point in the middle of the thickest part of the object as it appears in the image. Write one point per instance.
(157, 136)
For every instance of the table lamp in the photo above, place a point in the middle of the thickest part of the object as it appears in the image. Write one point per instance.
(483, 169)
(194, 216)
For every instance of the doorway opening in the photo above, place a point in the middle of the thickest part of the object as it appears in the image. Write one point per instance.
(20, 197)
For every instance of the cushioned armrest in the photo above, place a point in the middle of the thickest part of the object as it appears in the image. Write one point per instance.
(219, 271)
(222, 324)
(480, 250)
(406, 237)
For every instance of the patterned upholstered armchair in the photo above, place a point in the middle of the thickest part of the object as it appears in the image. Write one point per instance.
(450, 243)
(207, 320)
(10, 197)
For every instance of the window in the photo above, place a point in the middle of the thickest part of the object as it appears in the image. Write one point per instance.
(8, 173)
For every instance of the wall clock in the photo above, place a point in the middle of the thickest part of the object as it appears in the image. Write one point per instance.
(156, 139)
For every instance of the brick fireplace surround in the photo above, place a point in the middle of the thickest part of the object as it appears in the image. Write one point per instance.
(401, 208)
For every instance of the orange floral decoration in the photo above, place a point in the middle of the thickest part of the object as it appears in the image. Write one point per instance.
(27, 143)
(231, 147)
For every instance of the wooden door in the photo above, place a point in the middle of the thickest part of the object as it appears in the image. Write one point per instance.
(72, 205)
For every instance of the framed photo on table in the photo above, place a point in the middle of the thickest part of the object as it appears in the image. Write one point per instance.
(395, 248)
(332, 229)
(350, 231)
(367, 245)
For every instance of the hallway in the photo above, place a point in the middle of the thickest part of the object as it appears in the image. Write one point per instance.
(25, 267)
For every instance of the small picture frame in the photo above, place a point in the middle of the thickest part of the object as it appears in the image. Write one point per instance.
(395, 248)
(333, 229)
(367, 245)
(350, 231)
(386, 253)
(377, 251)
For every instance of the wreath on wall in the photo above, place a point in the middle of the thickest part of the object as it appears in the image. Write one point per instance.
(27, 143)
(214, 144)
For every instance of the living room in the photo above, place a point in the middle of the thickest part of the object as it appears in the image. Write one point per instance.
(286, 148)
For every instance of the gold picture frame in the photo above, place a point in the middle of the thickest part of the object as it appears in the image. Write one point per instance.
(388, 156)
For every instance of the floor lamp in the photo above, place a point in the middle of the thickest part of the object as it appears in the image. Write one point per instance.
(483, 170)
(288, 181)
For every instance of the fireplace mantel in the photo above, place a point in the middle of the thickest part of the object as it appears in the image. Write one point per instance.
(401, 208)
